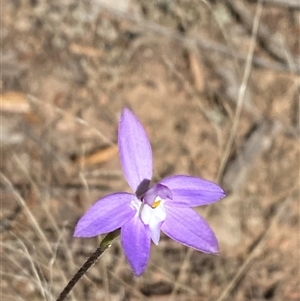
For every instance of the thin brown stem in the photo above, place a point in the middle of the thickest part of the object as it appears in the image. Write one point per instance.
(92, 259)
(104, 245)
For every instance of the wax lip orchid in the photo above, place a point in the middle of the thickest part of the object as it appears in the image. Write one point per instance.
(166, 206)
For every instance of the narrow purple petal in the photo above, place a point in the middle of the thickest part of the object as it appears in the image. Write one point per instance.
(135, 239)
(134, 149)
(106, 215)
(190, 191)
(187, 227)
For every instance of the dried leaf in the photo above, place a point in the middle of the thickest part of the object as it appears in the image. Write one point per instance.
(14, 102)
(85, 50)
(100, 156)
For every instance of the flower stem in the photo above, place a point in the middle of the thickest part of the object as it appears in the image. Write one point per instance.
(104, 245)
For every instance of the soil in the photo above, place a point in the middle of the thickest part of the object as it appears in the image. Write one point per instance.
(68, 69)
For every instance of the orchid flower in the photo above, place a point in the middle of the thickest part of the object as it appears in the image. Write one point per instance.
(166, 206)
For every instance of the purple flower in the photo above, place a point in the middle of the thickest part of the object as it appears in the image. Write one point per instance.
(165, 206)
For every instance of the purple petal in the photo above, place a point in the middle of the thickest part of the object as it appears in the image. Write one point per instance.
(106, 215)
(187, 227)
(135, 239)
(190, 191)
(135, 150)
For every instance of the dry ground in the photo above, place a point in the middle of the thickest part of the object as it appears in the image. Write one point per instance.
(216, 85)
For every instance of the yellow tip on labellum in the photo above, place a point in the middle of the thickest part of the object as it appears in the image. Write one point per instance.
(156, 202)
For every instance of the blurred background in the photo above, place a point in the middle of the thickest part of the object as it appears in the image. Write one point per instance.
(216, 85)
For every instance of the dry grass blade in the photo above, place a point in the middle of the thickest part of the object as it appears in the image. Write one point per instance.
(60, 234)
(203, 43)
(40, 285)
(258, 142)
(242, 91)
(61, 112)
(27, 211)
(35, 280)
(290, 4)
(183, 267)
(134, 291)
(255, 252)
(264, 34)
